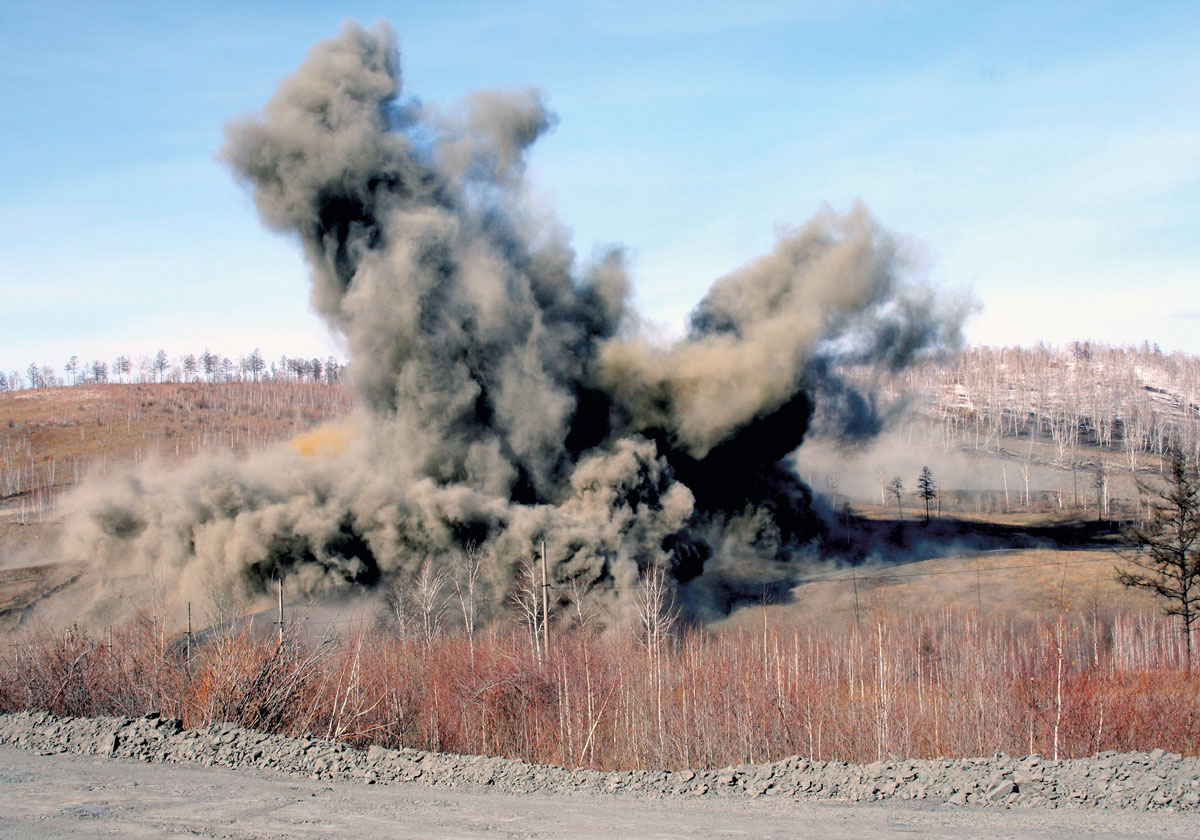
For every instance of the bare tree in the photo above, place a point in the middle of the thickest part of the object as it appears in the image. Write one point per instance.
(831, 485)
(656, 611)
(122, 366)
(224, 603)
(1100, 476)
(467, 566)
(1165, 550)
(657, 616)
(160, 364)
(585, 611)
(896, 488)
(526, 598)
(255, 363)
(397, 608)
(427, 589)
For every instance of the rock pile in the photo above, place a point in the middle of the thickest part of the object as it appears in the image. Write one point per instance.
(1153, 780)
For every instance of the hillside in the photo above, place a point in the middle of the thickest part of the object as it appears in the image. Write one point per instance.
(53, 438)
(990, 423)
(1002, 602)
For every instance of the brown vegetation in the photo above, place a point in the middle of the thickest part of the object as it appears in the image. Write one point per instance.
(937, 683)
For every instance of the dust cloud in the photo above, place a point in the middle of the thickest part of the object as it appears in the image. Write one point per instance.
(508, 396)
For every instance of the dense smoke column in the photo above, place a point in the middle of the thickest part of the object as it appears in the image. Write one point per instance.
(508, 396)
(455, 321)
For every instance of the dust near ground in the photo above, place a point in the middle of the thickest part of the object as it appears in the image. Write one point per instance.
(52, 439)
(56, 796)
(29, 578)
(1021, 583)
(61, 435)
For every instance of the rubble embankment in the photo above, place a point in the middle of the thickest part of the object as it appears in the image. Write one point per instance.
(1145, 780)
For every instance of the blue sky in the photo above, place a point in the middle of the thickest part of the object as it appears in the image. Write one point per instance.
(1045, 156)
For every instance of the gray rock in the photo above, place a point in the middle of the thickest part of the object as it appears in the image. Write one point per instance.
(1001, 791)
(1157, 779)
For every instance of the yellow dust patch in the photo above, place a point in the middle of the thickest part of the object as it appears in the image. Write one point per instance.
(328, 440)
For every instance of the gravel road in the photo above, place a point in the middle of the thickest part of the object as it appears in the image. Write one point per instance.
(149, 777)
(72, 795)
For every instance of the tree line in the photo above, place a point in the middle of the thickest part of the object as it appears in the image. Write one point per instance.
(1131, 400)
(207, 366)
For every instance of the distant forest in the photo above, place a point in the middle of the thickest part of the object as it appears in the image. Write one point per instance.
(205, 367)
(1135, 401)
(1132, 400)
(1091, 410)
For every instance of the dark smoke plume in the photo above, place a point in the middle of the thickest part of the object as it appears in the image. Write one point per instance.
(508, 397)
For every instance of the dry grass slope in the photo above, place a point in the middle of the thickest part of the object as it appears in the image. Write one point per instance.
(53, 438)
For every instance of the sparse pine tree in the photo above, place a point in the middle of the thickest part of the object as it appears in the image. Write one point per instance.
(1165, 551)
(926, 489)
(210, 363)
(160, 364)
(255, 363)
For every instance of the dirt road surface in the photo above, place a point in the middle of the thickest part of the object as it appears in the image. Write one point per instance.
(66, 795)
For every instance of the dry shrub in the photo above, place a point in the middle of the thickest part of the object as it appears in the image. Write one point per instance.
(939, 684)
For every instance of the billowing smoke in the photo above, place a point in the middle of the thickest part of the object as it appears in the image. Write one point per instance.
(508, 397)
